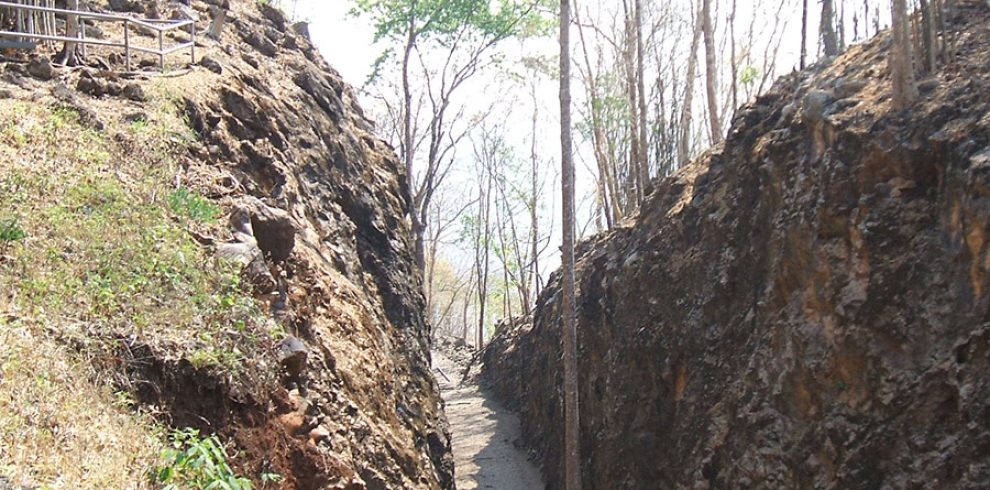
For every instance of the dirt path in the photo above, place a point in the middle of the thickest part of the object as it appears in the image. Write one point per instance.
(483, 433)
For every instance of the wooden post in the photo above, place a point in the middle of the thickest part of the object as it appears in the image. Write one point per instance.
(192, 47)
(161, 49)
(127, 43)
(82, 35)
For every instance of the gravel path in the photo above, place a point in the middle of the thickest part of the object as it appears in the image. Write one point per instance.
(483, 433)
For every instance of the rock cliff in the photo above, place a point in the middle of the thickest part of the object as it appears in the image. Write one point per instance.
(280, 126)
(804, 307)
(316, 205)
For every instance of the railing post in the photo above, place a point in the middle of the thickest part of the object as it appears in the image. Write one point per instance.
(192, 48)
(127, 43)
(82, 35)
(161, 49)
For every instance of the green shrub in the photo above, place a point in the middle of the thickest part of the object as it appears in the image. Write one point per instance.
(199, 463)
(10, 231)
(188, 204)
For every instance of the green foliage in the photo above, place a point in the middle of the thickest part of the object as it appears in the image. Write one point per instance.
(10, 231)
(199, 463)
(749, 75)
(443, 21)
(269, 477)
(188, 204)
(212, 358)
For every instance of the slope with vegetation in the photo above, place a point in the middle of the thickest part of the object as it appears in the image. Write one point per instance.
(805, 306)
(205, 276)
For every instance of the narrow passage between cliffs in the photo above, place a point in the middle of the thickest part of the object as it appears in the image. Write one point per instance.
(484, 435)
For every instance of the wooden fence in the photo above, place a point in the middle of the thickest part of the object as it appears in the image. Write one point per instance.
(33, 22)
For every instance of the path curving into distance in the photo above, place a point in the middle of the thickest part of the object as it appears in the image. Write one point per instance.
(483, 434)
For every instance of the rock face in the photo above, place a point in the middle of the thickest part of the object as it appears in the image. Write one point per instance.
(317, 219)
(805, 307)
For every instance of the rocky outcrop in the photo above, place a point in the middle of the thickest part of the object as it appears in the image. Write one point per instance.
(327, 382)
(315, 209)
(804, 307)
(324, 200)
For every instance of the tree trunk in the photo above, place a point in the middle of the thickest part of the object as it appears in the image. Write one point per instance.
(482, 251)
(830, 43)
(418, 227)
(683, 145)
(804, 34)
(633, 185)
(901, 69)
(572, 460)
(842, 27)
(733, 62)
(69, 54)
(715, 125)
(534, 218)
(644, 159)
(928, 34)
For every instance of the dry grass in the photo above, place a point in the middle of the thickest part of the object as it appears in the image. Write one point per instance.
(102, 251)
(60, 430)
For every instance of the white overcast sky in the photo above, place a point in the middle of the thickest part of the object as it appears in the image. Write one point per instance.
(345, 42)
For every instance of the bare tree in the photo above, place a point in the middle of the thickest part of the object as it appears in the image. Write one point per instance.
(572, 425)
(804, 33)
(683, 147)
(715, 125)
(643, 168)
(830, 43)
(69, 55)
(928, 34)
(900, 59)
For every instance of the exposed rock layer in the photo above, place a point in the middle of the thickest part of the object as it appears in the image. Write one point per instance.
(805, 307)
(328, 207)
(317, 209)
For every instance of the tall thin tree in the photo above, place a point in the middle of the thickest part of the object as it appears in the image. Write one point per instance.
(572, 461)
(900, 59)
(683, 143)
(644, 159)
(830, 43)
(804, 34)
(711, 83)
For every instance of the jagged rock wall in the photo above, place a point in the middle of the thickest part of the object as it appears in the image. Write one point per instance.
(805, 307)
(284, 145)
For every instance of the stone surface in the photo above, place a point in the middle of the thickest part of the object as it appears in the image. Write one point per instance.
(211, 64)
(135, 92)
(41, 68)
(292, 355)
(805, 307)
(308, 184)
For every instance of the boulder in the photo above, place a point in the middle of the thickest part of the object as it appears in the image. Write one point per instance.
(134, 91)
(41, 68)
(292, 355)
(211, 64)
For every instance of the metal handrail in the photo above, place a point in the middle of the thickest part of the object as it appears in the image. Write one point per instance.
(160, 26)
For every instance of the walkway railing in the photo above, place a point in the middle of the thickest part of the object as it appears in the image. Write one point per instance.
(160, 27)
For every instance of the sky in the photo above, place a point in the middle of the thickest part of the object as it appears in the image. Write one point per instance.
(346, 42)
(348, 45)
